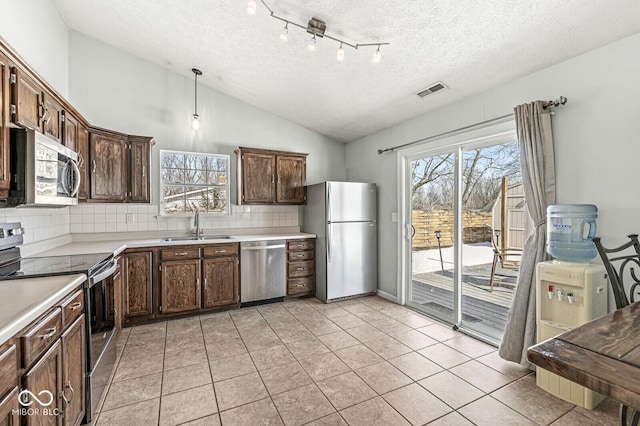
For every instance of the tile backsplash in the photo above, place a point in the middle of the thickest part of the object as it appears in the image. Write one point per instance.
(41, 224)
(86, 218)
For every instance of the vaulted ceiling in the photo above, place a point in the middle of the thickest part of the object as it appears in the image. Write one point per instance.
(469, 45)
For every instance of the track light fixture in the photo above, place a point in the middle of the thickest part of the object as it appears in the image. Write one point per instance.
(317, 28)
(195, 121)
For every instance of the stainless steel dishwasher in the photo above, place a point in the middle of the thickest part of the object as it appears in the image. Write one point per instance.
(263, 270)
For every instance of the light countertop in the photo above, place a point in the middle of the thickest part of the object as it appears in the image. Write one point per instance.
(118, 246)
(24, 300)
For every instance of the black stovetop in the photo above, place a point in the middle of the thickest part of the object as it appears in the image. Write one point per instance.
(32, 267)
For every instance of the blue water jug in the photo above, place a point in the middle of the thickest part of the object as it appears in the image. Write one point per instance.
(570, 229)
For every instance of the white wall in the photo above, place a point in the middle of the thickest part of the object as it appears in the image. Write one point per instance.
(118, 91)
(35, 29)
(596, 136)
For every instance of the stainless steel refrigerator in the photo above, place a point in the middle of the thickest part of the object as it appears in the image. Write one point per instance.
(343, 216)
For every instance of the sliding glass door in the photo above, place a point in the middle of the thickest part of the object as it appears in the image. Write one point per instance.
(464, 207)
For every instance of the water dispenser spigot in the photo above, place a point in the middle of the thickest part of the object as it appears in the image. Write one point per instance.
(550, 291)
(571, 297)
(560, 295)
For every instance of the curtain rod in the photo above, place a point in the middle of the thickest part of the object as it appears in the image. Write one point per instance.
(552, 103)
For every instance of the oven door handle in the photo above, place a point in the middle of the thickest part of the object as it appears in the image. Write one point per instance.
(103, 274)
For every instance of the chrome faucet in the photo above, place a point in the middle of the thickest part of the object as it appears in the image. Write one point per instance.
(196, 223)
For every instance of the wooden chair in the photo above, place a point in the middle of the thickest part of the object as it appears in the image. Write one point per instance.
(617, 269)
(502, 256)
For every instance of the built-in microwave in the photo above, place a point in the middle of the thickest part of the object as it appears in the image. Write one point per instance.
(43, 171)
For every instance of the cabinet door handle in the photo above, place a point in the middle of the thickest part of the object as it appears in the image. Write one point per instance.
(80, 160)
(94, 166)
(44, 111)
(143, 171)
(50, 333)
(64, 396)
(273, 179)
(75, 306)
(205, 283)
(47, 114)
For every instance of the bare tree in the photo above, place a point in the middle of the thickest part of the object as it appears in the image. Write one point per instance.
(482, 172)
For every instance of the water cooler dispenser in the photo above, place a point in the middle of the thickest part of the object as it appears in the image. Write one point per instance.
(569, 294)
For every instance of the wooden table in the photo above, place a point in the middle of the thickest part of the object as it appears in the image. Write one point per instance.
(603, 355)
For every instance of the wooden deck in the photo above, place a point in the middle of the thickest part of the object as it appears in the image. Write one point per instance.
(483, 308)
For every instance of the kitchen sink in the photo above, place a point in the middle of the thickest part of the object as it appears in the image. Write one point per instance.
(205, 238)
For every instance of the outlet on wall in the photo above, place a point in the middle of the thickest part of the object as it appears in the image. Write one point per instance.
(394, 217)
(131, 218)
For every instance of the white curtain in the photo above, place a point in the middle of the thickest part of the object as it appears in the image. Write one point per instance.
(533, 124)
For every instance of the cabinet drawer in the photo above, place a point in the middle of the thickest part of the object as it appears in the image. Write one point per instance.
(300, 255)
(300, 285)
(39, 337)
(8, 368)
(300, 244)
(220, 250)
(300, 269)
(72, 308)
(180, 254)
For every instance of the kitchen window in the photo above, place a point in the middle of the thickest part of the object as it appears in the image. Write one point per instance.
(192, 181)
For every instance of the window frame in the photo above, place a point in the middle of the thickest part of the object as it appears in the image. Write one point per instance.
(226, 186)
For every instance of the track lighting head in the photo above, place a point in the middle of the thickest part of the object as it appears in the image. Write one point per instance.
(284, 35)
(377, 55)
(340, 54)
(251, 7)
(312, 43)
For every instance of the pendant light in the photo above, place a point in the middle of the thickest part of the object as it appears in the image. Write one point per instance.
(284, 35)
(376, 56)
(195, 122)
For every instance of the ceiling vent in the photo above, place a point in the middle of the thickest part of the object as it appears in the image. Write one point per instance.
(431, 89)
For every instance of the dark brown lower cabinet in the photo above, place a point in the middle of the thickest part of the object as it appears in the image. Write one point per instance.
(180, 286)
(44, 380)
(220, 281)
(137, 285)
(9, 409)
(73, 357)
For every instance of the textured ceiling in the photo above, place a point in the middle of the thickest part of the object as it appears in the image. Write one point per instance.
(470, 45)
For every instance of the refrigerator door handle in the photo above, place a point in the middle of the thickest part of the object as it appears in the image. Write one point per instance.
(329, 231)
(329, 202)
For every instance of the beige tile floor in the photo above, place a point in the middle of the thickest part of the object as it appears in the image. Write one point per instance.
(359, 362)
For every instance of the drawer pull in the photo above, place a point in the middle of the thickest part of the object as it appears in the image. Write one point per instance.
(49, 334)
(75, 306)
(220, 251)
(301, 269)
(182, 253)
(300, 255)
(301, 285)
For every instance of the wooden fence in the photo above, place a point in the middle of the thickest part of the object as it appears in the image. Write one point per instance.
(426, 222)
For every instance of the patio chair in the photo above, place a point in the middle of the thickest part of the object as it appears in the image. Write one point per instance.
(504, 256)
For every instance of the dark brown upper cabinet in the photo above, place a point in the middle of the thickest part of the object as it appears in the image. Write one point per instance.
(271, 177)
(33, 107)
(119, 167)
(5, 102)
(108, 167)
